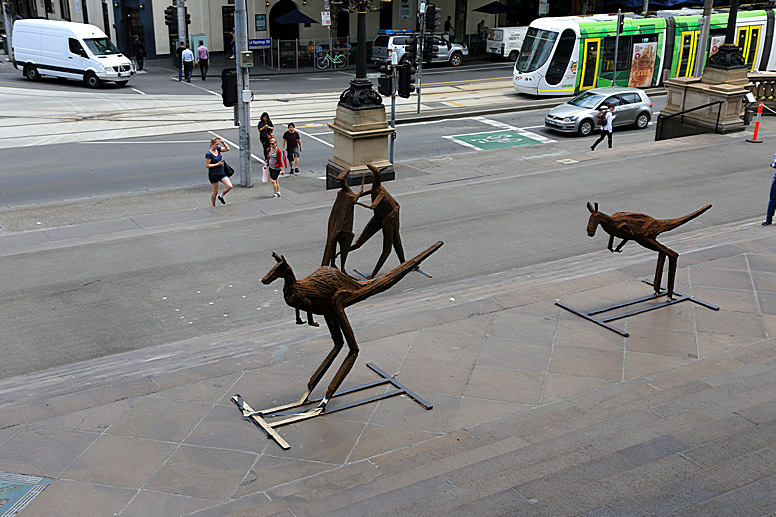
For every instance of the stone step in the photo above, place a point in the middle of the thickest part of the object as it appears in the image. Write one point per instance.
(681, 417)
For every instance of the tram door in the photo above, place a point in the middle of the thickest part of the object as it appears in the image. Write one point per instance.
(590, 64)
(687, 54)
(747, 40)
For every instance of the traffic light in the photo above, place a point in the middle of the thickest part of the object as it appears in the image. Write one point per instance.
(430, 17)
(620, 23)
(384, 86)
(411, 50)
(188, 16)
(406, 78)
(229, 87)
(169, 16)
(429, 49)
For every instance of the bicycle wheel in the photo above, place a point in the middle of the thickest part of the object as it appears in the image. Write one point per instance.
(322, 62)
(340, 61)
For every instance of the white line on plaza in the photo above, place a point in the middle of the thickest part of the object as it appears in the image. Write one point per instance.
(324, 142)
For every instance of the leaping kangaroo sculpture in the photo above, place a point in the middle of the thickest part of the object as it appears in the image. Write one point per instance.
(644, 230)
(327, 291)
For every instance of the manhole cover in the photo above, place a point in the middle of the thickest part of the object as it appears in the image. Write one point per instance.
(16, 492)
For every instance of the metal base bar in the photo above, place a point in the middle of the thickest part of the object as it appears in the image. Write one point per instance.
(604, 322)
(258, 417)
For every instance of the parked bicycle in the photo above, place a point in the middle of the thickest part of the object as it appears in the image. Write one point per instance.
(328, 59)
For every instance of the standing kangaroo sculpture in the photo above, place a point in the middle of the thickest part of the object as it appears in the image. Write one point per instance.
(644, 230)
(386, 216)
(341, 222)
(328, 291)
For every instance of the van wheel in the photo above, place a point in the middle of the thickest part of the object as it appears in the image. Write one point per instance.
(456, 59)
(513, 55)
(91, 80)
(121, 83)
(31, 73)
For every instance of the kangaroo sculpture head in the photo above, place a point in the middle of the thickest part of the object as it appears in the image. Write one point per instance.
(341, 178)
(376, 175)
(595, 219)
(279, 270)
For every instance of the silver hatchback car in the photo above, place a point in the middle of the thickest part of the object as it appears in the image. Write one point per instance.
(631, 105)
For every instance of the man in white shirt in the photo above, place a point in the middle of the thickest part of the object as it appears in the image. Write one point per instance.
(606, 129)
(188, 63)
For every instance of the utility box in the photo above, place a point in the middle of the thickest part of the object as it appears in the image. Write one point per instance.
(246, 58)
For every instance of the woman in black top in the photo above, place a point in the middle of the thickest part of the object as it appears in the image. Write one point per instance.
(214, 163)
(265, 132)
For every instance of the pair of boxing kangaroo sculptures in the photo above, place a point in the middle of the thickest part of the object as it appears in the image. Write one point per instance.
(328, 290)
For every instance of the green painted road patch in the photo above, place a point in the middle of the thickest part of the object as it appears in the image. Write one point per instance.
(495, 139)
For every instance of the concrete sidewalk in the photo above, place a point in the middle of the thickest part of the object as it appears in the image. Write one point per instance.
(536, 411)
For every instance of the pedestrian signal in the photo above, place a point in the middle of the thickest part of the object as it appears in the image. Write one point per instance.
(169, 16)
(229, 87)
(430, 17)
(430, 50)
(406, 78)
(411, 50)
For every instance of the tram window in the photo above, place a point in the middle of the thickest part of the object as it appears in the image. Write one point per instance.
(560, 60)
(624, 50)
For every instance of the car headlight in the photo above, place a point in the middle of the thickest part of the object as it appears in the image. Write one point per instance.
(569, 119)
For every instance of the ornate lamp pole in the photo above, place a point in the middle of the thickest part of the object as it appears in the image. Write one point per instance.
(360, 95)
(360, 128)
(729, 56)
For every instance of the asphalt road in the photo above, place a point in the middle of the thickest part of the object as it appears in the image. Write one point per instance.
(53, 173)
(77, 303)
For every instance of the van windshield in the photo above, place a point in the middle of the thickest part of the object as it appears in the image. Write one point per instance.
(101, 46)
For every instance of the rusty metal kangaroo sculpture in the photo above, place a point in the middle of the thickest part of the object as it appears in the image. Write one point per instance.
(341, 222)
(644, 230)
(386, 216)
(327, 291)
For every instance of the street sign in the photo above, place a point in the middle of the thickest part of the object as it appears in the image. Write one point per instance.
(325, 18)
(259, 43)
(495, 140)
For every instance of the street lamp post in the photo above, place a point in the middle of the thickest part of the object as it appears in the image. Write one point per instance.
(360, 94)
(360, 127)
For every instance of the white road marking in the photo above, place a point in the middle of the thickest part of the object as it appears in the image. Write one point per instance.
(138, 91)
(324, 142)
(521, 131)
(467, 144)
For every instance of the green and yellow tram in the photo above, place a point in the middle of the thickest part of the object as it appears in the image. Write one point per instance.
(566, 55)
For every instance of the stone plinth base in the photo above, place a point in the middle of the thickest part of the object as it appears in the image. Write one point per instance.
(360, 137)
(688, 92)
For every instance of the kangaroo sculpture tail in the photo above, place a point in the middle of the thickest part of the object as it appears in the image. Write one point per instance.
(679, 221)
(388, 280)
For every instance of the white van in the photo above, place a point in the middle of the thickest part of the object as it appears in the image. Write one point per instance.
(505, 42)
(69, 50)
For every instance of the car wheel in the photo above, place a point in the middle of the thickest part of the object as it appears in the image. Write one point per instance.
(121, 83)
(31, 73)
(456, 59)
(585, 127)
(642, 121)
(513, 55)
(91, 80)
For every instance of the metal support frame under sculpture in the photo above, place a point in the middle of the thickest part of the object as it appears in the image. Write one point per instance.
(644, 230)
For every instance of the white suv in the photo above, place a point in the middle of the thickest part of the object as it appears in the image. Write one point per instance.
(393, 41)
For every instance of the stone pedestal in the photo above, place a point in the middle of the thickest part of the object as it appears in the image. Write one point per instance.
(360, 137)
(727, 85)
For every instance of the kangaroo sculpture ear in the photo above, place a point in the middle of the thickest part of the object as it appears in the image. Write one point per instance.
(596, 207)
(590, 207)
(277, 258)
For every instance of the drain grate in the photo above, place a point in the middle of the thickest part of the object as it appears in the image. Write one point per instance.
(16, 492)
